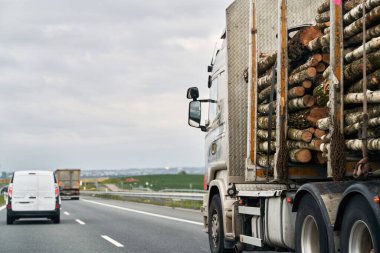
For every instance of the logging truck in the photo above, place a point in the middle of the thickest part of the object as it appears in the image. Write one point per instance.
(292, 121)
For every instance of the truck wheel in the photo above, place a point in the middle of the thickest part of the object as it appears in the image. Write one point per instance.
(215, 226)
(311, 235)
(57, 219)
(10, 220)
(359, 228)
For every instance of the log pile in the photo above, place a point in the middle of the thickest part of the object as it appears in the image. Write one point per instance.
(353, 73)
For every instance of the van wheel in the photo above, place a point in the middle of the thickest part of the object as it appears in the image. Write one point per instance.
(215, 226)
(10, 220)
(57, 219)
(359, 228)
(312, 236)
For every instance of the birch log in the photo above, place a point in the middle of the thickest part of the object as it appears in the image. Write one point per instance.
(356, 145)
(265, 93)
(357, 98)
(263, 122)
(296, 92)
(307, 74)
(373, 83)
(264, 135)
(356, 27)
(351, 129)
(265, 63)
(356, 115)
(357, 11)
(323, 124)
(319, 42)
(314, 144)
(307, 84)
(262, 160)
(301, 103)
(297, 46)
(311, 62)
(264, 108)
(319, 158)
(325, 6)
(321, 93)
(319, 133)
(266, 146)
(265, 81)
(323, 17)
(322, 26)
(354, 70)
(371, 32)
(307, 118)
(300, 155)
(350, 4)
(299, 135)
(371, 46)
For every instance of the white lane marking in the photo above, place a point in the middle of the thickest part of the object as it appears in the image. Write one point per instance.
(2, 208)
(66, 213)
(145, 213)
(80, 222)
(117, 244)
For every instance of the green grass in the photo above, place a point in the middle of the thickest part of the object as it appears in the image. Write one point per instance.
(189, 204)
(160, 182)
(2, 201)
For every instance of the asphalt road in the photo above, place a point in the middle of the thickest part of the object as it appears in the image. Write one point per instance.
(97, 225)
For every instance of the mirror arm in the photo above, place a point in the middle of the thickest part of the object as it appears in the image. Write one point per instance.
(207, 101)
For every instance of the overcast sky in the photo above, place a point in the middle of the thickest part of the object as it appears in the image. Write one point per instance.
(100, 84)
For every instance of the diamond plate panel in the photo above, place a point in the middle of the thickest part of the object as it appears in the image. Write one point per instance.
(266, 25)
(302, 12)
(238, 32)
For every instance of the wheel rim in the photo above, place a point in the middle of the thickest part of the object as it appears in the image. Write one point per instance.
(215, 229)
(310, 236)
(360, 238)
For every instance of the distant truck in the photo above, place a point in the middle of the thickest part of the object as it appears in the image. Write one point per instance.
(69, 182)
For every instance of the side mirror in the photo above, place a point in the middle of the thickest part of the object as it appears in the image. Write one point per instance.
(192, 93)
(60, 188)
(4, 190)
(195, 114)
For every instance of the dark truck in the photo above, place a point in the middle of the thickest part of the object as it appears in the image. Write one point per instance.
(69, 182)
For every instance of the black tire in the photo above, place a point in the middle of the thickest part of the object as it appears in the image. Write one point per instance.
(57, 219)
(310, 216)
(10, 220)
(216, 233)
(358, 213)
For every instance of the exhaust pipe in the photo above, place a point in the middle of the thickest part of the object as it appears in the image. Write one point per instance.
(239, 247)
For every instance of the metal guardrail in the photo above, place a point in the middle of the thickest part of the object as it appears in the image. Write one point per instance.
(154, 195)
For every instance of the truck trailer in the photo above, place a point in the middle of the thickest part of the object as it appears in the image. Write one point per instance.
(68, 182)
(292, 144)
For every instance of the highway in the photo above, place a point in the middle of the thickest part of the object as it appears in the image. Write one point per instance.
(98, 225)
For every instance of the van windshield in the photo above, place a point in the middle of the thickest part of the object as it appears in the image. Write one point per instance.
(25, 183)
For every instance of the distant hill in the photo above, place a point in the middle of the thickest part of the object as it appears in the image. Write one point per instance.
(142, 171)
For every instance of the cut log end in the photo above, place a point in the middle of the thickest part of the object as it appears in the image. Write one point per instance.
(300, 155)
(306, 136)
(307, 84)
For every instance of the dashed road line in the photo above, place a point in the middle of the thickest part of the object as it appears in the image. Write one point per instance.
(80, 222)
(109, 239)
(66, 213)
(145, 213)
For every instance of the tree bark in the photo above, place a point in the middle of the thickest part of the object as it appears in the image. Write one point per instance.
(265, 81)
(350, 4)
(351, 129)
(325, 6)
(354, 71)
(307, 74)
(311, 62)
(263, 122)
(300, 155)
(298, 43)
(263, 161)
(301, 103)
(307, 118)
(264, 108)
(299, 135)
(319, 42)
(370, 33)
(357, 98)
(322, 26)
(356, 145)
(323, 17)
(373, 83)
(314, 144)
(357, 11)
(319, 133)
(264, 135)
(371, 46)
(354, 116)
(266, 63)
(323, 124)
(296, 92)
(321, 93)
(265, 93)
(356, 27)
(266, 147)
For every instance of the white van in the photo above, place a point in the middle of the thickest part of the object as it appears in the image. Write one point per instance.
(33, 194)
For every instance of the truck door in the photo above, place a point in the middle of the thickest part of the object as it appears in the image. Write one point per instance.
(25, 191)
(46, 193)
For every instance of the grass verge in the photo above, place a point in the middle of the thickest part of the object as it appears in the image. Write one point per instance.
(188, 204)
(2, 201)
